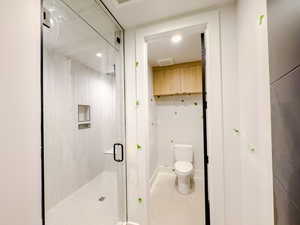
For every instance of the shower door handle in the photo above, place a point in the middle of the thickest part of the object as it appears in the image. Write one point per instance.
(118, 146)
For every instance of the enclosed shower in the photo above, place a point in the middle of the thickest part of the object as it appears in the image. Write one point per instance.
(84, 159)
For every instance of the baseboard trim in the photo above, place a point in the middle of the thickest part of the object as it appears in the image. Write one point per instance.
(170, 170)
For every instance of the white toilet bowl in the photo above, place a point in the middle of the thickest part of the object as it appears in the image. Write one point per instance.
(183, 159)
(184, 171)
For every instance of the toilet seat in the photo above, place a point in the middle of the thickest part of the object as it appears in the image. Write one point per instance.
(183, 168)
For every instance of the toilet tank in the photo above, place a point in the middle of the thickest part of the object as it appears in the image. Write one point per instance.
(183, 152)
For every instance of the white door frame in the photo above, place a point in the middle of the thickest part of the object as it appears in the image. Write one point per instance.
(210, 20)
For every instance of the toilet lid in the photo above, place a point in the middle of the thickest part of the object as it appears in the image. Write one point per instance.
(183, 166)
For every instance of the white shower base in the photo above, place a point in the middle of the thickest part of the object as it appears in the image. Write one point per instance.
(83, 206)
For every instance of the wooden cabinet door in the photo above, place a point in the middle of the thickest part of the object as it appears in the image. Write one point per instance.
(191, 78)
(159, 82)
(165, 81)
(185, 78)
(172, 78)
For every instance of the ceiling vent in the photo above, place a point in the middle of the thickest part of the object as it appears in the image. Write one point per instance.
(165, 62)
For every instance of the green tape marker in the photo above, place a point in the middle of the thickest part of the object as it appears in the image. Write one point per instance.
(261, 19)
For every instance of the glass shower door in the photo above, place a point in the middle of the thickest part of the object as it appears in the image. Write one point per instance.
(83, 95)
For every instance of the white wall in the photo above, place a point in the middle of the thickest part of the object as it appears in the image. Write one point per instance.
(179, 121)
(74, 156)
(230, 115)
(253, 69)
(232, 156)
(20, 153)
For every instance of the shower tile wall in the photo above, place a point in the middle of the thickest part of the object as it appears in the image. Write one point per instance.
(73, 156)
(284, 46)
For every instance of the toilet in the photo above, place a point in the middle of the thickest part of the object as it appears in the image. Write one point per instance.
(183, 157)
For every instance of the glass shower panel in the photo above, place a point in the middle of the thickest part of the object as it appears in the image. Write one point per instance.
(84, 157)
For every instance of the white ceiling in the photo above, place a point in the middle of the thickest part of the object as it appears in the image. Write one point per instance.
(137, 12)
(72, 37)
(188, 50)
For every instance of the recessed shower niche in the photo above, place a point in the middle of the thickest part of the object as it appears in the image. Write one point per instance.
(84, 116)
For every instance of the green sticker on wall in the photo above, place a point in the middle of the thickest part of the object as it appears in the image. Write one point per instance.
(261, 19)
(140, 200)
(138, 147)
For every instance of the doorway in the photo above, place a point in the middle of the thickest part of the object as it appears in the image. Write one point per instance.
(141, 116)
(177, 194)
(83, 124)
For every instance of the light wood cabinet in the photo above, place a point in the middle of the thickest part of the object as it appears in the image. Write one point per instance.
(191, 79)
(185, 78)
(166, 81)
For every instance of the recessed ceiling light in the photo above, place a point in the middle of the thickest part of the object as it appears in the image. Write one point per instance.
(99, 54)
(176, 38)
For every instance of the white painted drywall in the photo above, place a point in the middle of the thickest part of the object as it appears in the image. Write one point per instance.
(20, 154)
(255, 119)
(73, 156)
(232, 156)
(229, 114)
